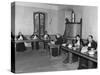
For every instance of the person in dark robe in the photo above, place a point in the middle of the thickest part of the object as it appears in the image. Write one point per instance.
(59, 39)
(20, 47)
(46, 38)
(91, 45)
(76, 44)
(35, 36)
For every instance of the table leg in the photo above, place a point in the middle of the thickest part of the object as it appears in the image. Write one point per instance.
(66, 60)
(83, 63)
(70, 57)
(50, 51)
(58, 51)
(91, 64)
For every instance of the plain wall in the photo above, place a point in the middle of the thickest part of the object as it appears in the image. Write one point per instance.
(55, 19)
(61, 21)
(90, 22)
(66, 13)
(24, 19)
(13, 18)
(89, 17)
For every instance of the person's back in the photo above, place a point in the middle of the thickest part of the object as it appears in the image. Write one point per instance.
(59, 40)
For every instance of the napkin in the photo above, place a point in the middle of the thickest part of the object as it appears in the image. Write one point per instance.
(35, 37)
(20, 38)
(70, 46)
(84, 49)
(64, 44)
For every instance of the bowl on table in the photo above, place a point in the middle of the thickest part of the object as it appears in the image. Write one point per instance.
(84, 50)
(64, 44)
(74, 48)
(91, 53)
(70, 46)
(52, 42)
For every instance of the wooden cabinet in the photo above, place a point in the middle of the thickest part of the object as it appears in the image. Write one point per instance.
(73, 29)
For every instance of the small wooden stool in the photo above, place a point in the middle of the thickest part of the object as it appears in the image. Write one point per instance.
(53, 46)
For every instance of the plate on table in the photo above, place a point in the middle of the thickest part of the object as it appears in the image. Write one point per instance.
(70, 46)
(52, 42)
(64, 44)
(91, 52)
(84, 50)
(74, 48)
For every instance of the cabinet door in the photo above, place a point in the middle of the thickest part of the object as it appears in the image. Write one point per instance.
(71, 30)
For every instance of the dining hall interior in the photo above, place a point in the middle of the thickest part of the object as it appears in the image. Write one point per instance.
(53, 37)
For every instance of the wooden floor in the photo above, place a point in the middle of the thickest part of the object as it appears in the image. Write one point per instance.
(41, 61)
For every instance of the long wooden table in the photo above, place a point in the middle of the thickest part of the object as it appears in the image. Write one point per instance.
(91, 58)
(29, 41)
(25, 41)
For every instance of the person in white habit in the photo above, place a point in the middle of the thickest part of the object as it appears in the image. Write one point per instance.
(35, 36)
(46, 39)
(20, 47)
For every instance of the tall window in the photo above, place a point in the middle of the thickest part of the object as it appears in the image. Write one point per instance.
(39, 23)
